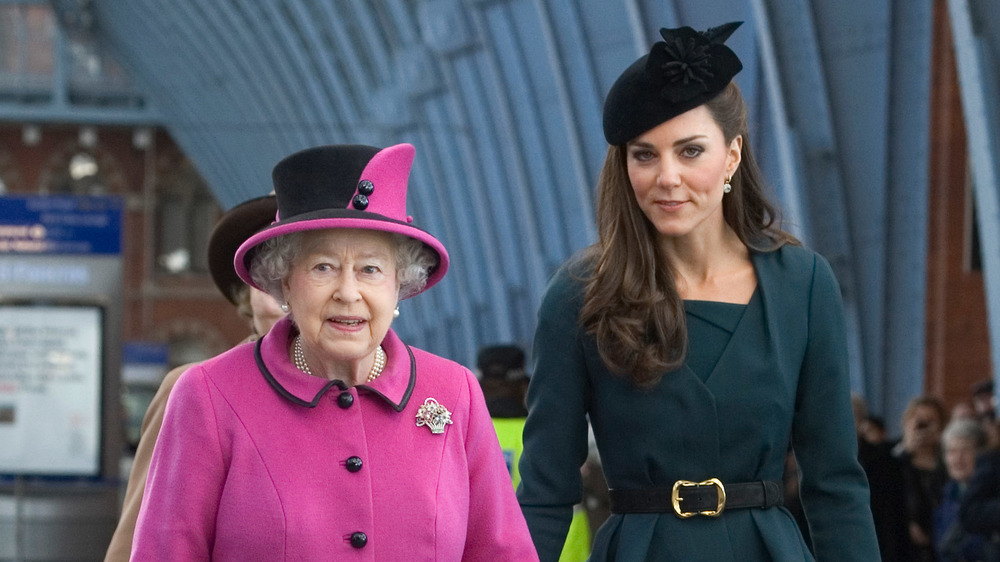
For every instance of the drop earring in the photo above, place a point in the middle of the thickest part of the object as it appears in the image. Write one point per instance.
(727, 187)
(395, 313)
(285, 308)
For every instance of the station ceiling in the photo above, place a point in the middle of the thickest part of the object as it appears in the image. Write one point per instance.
(502, 99)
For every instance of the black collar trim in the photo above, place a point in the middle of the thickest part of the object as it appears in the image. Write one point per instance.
(335, 382)
(409, 387)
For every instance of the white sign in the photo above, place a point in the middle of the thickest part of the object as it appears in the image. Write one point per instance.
(50, 389)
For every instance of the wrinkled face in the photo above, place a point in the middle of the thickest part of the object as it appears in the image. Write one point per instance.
(678, 169)
(342, 291)
(960, 458)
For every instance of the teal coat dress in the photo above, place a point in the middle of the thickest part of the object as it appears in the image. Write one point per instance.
(758, 377)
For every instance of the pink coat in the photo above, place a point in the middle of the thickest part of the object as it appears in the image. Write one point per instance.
(244, 469)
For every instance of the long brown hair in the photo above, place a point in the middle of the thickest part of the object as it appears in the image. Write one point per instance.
(631, 304)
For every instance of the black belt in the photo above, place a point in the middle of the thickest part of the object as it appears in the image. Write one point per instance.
(687, 499)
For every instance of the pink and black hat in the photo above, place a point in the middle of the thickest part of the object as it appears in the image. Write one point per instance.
(343, 186)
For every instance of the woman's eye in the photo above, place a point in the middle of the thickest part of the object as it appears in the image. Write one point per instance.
(692, 151)
(370, 269)
(642, 155)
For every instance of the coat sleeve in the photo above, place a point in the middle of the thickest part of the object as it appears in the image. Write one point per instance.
(980, 507)
(497, 530)
(186, 475)
(121, 542)
(833, 487)
(555, 432)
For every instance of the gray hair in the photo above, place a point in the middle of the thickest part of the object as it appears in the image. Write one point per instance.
(970, 430)
(274, 257)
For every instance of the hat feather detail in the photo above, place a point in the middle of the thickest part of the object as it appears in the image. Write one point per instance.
(389, 172)
(720, 33)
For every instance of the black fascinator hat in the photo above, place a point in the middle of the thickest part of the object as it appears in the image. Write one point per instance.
(685, 70)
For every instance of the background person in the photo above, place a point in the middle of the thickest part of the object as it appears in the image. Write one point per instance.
(698, 338)
(924, 474)
(983, 401)
(261, 312)
(962, 439)
(885, 481)
(505, 382)
(984, 409)
(501, 373)
(875, 431)
(979, 507)
(330, 435)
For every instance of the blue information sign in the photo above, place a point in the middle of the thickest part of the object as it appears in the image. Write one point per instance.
(60, 225)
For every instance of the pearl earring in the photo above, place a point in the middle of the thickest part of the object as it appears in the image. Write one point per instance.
(727, 187)
(395, 313)
(285, 308)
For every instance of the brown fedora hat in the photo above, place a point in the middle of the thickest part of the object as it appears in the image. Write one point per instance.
(235, 226)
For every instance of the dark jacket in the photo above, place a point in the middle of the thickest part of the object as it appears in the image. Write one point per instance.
(980, 506)
(888, 493)
(952, 541)
(783, 377)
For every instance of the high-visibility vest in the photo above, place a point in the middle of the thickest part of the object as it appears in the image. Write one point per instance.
(509, 433)
(577, 547)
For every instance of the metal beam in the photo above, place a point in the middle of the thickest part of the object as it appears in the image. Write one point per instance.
(908, 209)
(978, 76)
(17, 113)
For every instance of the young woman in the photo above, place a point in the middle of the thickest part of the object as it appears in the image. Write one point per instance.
(698, 338)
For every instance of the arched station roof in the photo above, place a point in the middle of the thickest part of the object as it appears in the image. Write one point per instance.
(502, 99)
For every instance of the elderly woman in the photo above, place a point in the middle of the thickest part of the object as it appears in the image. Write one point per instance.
(962, 439)
(348, 443)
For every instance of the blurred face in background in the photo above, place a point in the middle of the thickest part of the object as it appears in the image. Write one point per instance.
(922, 429)
(963, 411)
(960, 458)
(984, 404)
(266, 311)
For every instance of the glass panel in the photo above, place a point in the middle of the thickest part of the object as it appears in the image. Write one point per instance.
(26, 50)
(186, 215)
(173, 256)
(204, 216)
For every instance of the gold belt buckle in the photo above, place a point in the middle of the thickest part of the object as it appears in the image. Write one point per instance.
(675, 498)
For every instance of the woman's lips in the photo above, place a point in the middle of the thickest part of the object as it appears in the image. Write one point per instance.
(348, 324)
(671, 205)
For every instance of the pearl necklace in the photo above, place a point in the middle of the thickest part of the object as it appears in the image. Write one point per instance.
(299, 358)
(378, 365)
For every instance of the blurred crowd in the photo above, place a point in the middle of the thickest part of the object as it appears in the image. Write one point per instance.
(935, 490)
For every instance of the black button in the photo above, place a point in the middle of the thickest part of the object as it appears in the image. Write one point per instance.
(345, 400)
(354, 464)
(360, 202)
(366, 187)
(359, 539)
